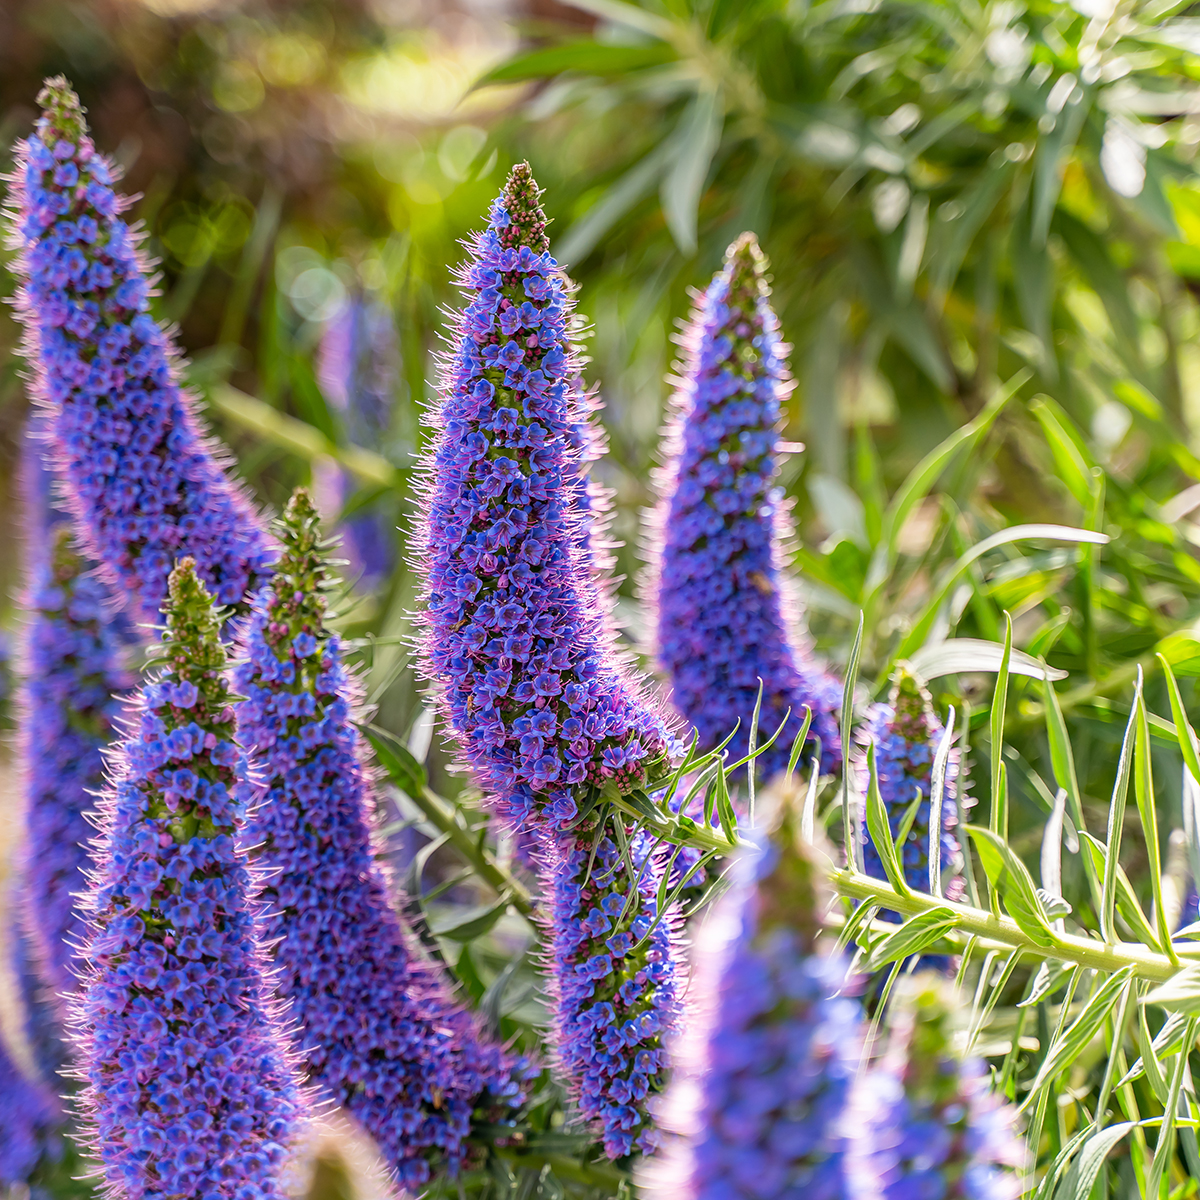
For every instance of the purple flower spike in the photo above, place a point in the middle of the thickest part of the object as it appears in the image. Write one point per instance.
(375, 1026)
(142, 482)
(516, 632)
(763, 1068)
(612, 982)
(29, 1120)
(906, 733)
(923, 1123)
(720, 525)
(73, 674)
(189, 1087)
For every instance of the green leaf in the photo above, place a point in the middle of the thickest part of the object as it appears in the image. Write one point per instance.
(586, 56)
(1181, 993)
(397, 760)
(1010, 877)
(1123, 895)
(1085, 1170)
(959, 655)
(879, 828)
(850, 840)
(1181, 651)
(1073, 468)
(998, 821)
(1106, 280)
(911, 938)
(699, 137)
(1143, 789)
(475, 923)
(1052, 148)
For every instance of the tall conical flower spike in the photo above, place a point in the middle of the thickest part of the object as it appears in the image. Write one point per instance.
(73, 678)
(189, 1087)
(375, 1026)
(612, 974)
(142, 481)
(718, 532)
(29, 1121)
(923, 1122)
(763, 1067)
(906, 733)
(515, 631)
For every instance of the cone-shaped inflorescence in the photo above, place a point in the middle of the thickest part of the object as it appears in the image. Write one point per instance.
(375, 1026)
(356, 368)
(190, 1089)
(29, 1121)
(141, 480)
(516, 634)
(923, 1122)
(764, 1065)
(73, 676)
(612, 980)
(720, 526)
(906, 733)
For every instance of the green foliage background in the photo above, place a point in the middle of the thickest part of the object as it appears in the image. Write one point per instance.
(984, 224)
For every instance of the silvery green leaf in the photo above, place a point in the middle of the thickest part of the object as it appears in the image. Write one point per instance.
(958, 655)
(1181, 993)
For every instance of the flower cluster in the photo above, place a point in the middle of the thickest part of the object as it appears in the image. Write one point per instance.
(189, 1089)
(764, 1066)
(376, 1026)
(29, 1118)
(73, 678)
(142, 482)
(356, 371)
(906, 733)
(721, 523)
(516, 635)
(923, 1122)
(612, 982)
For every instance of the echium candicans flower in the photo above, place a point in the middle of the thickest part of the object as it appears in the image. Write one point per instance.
(906, 732)
(923, 1122)
(73, 675)
(141, 480)
(768, 1051)
(612, 976)
(516, 634)
(356, 369)
(190, 1090)
(29, 1120)
(375, 1025)
(720, 526)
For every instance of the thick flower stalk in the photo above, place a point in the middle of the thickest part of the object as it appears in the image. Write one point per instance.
(516, 635)
(613, 987)
(29, 1122)
(356, 368)
(142, 482)
(190, 1092)
(905, 733)
(73, 677)
(375, 1025)
(719, 529)
(768, 1053)
(923, 1122)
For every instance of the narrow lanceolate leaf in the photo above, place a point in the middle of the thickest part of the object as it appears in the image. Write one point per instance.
(957, 655)
(697, 140)
(1011, 879)
(1085, 1170)
(911, 938)
(999, 814)
(1181, 993)
(1067, 1048)
(880, 829)
(1143, 787)
(1116, 821)
(1125, 897)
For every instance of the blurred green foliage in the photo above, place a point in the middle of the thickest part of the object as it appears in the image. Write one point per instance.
(984, 220)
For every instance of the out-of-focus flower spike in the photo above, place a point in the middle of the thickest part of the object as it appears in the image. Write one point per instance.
(906, 732)
(189, 1087)
(375, 1026)
(72, 675)
(30, 1119)
(763, 1066)
(515, 631)
(614, 991)
(923, 1121)
(141, 480)
(724, 608)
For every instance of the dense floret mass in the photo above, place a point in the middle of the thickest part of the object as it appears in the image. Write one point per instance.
(722, 621)
(375, 1025)
(73, 679)
(764, 1065)
(924, 1122)
(189, 1090)
(142, 482)
(29, 1120)
(612, 974)
(516, 633)
(905, 733)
